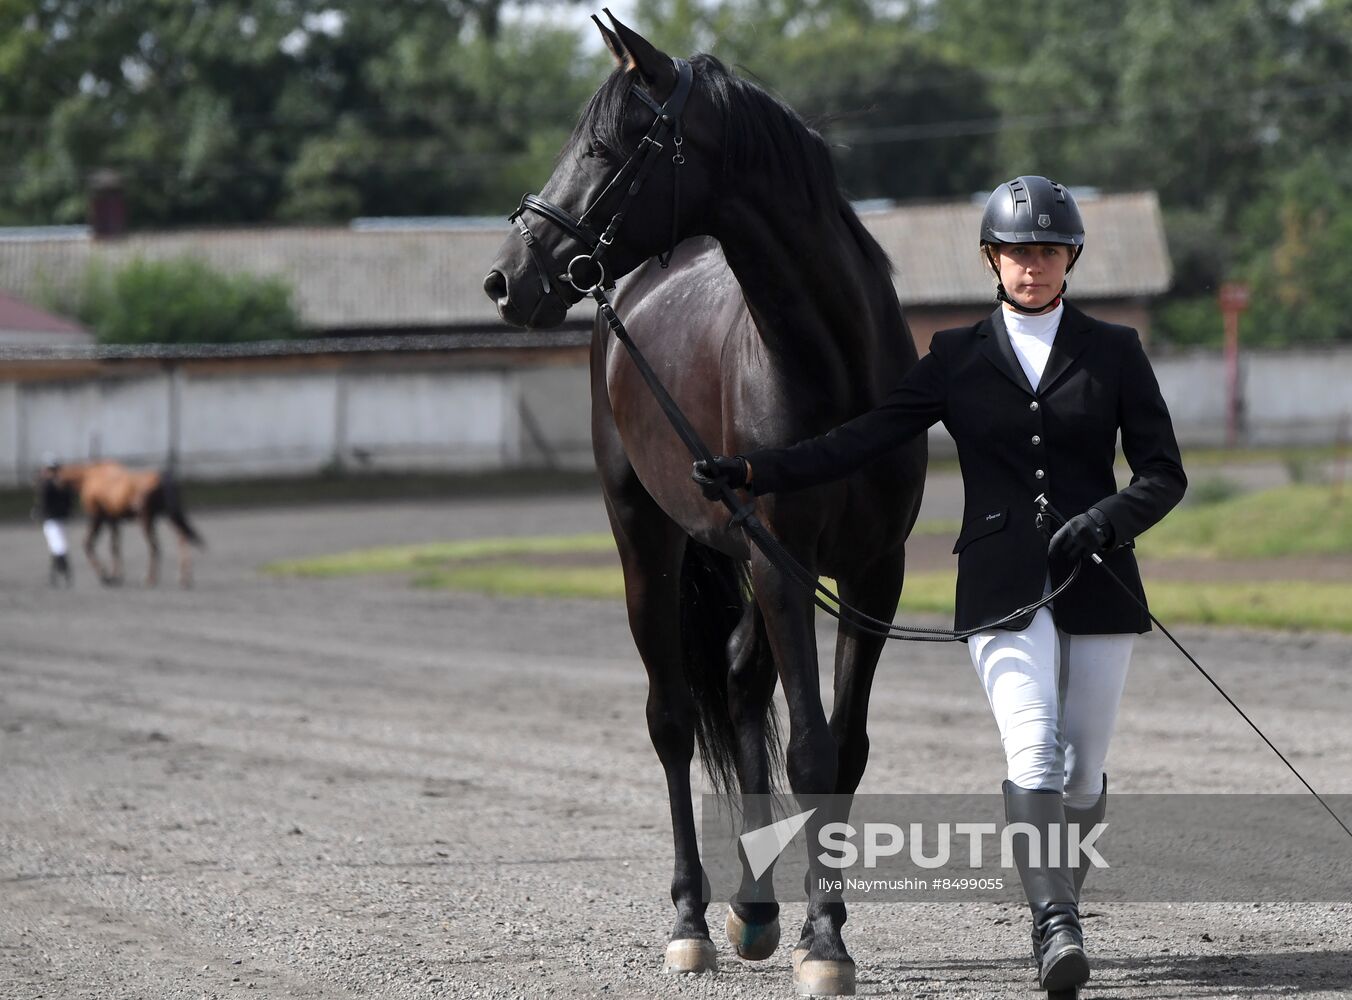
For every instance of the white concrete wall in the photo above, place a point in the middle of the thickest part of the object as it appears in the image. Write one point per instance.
(431, 420)
(236, 424)
(1287, 397)
(241, 425)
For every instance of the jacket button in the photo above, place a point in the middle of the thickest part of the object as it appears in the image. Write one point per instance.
(1033, 406)
(1039, 473)
(1037, 439)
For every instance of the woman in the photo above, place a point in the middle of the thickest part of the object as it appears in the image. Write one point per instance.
(1034, 397)
(55, 500)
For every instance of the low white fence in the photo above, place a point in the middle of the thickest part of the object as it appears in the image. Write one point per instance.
(417, 415)
(239, 425)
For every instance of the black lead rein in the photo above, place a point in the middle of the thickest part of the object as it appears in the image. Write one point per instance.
(1047, 508)
(586, 274)
(744, 516)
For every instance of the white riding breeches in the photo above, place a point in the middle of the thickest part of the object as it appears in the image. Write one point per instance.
(55, 532)
(1055, 698)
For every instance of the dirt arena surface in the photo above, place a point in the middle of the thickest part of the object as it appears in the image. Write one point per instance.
(352, 788)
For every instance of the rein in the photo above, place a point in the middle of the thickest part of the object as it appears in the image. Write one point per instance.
(586, 274)
(744, 516)
(640, 165)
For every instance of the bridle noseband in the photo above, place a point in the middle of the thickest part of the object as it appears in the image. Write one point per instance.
(586, 271)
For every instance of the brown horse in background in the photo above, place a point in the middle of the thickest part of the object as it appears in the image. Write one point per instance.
(110, 493)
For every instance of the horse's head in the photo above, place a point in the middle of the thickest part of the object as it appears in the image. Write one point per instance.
(634, 179)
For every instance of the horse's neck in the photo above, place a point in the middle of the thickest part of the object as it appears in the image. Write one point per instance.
(819, 303)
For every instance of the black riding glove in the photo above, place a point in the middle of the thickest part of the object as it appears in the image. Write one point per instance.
(1084, 535)
(710, 473)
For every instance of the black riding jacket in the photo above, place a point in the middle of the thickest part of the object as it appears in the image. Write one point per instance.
(1015, 443)
(55, 500)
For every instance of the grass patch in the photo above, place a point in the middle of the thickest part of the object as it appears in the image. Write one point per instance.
(1200, 457)
(1278, 604)
(949, 526)
(1282, 604)
(1293, 520)
(429, 559)
(518, 580)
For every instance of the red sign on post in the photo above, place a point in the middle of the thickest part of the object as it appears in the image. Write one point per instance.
(1234, 299)
(1234, 296)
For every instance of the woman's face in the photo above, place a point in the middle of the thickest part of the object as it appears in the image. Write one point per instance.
(1033, 273)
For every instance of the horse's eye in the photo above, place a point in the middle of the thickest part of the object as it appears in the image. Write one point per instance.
(595, 148)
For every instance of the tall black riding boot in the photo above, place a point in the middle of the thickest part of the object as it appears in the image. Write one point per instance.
(1050, 887)
(1087, 819)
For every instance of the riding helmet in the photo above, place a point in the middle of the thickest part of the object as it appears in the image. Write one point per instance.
(1032, 209)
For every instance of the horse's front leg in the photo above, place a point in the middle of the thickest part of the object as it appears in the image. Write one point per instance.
(752, 924)
(811, 759)
(651, 550)
(874, 590)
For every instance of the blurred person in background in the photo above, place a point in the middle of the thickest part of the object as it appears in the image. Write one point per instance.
(1034, 397)
(55, 500)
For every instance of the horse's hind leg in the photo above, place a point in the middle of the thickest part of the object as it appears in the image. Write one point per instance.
(115, 546)
(153, 547)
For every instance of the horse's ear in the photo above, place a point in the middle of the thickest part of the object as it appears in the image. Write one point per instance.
(652, 64)
(612, 43)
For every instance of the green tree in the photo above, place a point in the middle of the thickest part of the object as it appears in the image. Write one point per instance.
(249, 110)
(881, 91)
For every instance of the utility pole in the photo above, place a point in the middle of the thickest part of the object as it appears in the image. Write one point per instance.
(1234, 299)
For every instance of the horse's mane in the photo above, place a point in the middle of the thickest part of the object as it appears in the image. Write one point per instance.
(762, 135)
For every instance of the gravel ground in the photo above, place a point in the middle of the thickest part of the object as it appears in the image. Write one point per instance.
(353, 788)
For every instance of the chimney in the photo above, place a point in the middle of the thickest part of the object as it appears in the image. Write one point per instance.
(107, 204)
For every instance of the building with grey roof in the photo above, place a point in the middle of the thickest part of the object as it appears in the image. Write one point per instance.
(389, 276)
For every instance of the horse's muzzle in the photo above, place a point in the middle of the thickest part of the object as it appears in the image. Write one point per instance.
(545, 312)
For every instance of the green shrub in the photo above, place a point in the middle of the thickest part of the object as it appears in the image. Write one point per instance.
(184, 301)
(1212, 490)
(1191, 322)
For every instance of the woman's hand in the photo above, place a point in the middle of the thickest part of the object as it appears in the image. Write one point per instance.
(1084, 535)
(710, 474)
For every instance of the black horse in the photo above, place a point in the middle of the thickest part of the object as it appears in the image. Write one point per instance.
(776, 319)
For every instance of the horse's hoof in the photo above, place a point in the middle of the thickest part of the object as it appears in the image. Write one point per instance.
(799, 954)
(692, 955)
(819, 978)
(753, 942)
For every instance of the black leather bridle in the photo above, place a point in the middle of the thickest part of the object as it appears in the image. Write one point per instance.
(586, 272)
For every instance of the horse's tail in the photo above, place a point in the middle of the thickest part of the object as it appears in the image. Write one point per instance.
(173, 509)
(715, 597)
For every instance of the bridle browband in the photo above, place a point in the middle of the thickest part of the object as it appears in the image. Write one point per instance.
(587, 271)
